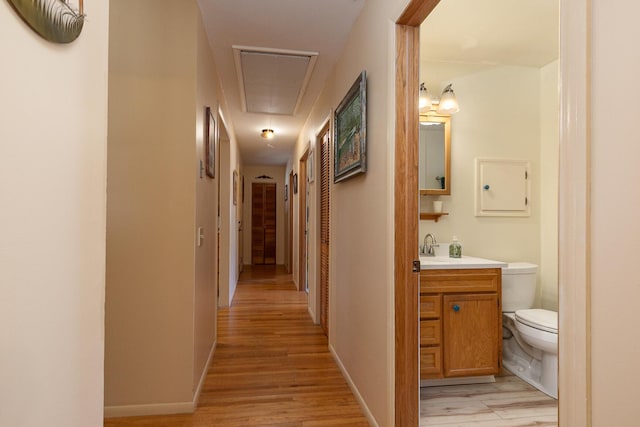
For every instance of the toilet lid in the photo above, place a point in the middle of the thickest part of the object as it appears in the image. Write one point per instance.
(545, 320)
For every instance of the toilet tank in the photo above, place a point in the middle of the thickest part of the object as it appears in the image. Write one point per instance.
(518, 286)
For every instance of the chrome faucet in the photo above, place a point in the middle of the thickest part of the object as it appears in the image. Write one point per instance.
(429, 249)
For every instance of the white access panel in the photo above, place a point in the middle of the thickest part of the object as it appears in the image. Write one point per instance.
(502, 187)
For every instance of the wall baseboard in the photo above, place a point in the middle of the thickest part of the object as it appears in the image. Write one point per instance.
(313, 316)
(354, 389)
(203, 376)
(149, 409)
(162, 408)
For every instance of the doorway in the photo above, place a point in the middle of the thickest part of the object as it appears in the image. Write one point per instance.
(300, 185)
(263, 223)
(574, 365)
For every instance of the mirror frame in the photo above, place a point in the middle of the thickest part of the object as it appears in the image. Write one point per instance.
(431, 117)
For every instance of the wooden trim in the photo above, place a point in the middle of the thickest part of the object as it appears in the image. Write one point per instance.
(416, 12)
(574, 346)
(406, 226)
(302, 204)
(290, 223)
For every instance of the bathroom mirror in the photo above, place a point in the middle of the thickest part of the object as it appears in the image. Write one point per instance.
(434, 172)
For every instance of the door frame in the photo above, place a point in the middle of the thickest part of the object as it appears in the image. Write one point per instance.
(289, 209)
(574, 379)
(302, 219)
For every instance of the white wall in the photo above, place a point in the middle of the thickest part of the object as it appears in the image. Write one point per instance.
(206, 272)
(251, 172)
(53, 116)
(492, 122)
(615, 200)
(549, 134)
(361, 319)
(161, 286)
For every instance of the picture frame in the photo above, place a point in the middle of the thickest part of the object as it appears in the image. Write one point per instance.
(295, 183)
(310, 166)
(235, 187)
(211, 143)
(350, 132)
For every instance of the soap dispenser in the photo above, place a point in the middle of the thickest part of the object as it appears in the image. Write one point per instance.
(455, 248)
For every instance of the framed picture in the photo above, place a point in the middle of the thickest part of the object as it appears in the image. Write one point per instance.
(310, 166)
(211, 143)
(235, 187)
(295, 183)
(350, 132)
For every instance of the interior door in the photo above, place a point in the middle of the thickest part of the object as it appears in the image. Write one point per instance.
(263, 223)
(325, 181)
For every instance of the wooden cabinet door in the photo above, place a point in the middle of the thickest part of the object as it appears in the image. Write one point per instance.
(263, 223)
(472, 334)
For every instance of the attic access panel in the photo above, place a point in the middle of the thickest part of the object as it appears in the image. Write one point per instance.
(272, 81)
(502, 187)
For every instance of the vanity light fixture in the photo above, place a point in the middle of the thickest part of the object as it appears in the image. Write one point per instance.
(267, 133)
(424, 101)
(448, 102)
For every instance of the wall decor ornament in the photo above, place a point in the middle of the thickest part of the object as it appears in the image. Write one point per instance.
(350, 128)
(55, 20)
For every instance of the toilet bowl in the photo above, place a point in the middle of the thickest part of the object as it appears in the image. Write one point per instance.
(530, 339)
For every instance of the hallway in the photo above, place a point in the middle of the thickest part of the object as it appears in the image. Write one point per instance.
(271, 366)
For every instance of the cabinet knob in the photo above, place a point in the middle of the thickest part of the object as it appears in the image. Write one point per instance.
(486, 187)
(456, 307)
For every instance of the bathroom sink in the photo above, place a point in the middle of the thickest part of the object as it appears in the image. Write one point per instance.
(444, 262)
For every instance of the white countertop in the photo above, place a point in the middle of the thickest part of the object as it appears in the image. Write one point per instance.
(444, 262)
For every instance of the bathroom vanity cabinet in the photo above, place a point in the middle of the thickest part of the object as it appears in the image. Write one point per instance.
(460, 322)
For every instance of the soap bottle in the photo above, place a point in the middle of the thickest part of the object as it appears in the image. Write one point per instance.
(455, 248)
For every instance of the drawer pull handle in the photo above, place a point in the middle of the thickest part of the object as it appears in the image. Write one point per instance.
(486, 187)
(456, 308)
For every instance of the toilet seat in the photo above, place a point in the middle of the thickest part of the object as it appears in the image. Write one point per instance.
(544, 320)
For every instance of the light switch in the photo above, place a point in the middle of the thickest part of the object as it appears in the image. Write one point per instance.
(200, 235)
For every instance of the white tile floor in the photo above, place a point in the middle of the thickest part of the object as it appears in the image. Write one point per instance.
(509, 402)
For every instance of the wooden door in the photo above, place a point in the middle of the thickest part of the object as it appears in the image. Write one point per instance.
(290, 217)
(325, 180)
(303, 217)
(471, 335)
(263, 223)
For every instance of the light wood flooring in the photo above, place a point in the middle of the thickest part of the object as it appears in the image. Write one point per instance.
(271, 366)
(509, 402)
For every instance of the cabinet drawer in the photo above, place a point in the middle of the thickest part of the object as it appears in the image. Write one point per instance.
(430, 362)
(429, 332)
(430, 306)
(461, 280)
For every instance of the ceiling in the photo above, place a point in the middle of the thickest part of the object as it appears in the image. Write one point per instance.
(464, 36)
(459, 36)
(315, 26)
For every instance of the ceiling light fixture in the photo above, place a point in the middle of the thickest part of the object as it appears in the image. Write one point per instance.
(267, 133)
(448, 102)
(446, 105)
(424, 101)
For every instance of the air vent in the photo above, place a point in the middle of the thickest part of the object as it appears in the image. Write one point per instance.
(272, 81)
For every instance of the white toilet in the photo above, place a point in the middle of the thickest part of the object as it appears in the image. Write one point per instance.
(530, 341)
